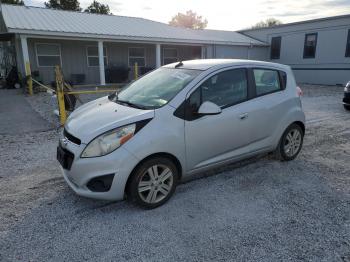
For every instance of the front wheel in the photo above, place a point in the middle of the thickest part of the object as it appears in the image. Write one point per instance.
(290, 143)
(153, 182)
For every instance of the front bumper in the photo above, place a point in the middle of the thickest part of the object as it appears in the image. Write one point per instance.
(120, 163)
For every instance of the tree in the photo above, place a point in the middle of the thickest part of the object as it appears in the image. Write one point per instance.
(98, 8)
(13, 2)
(267, 23)
(72, 5)
(189, 20)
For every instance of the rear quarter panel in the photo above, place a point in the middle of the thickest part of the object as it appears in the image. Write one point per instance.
(292, 107)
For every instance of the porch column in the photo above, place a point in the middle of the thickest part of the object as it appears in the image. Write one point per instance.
(25, 53)
(158, 59)
(203, 52)
(101, 63)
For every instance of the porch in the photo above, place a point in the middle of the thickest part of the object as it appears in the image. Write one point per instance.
(97, 62)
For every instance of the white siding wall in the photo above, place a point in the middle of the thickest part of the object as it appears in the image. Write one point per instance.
(74, 57)
(330, 66)
(237, 52)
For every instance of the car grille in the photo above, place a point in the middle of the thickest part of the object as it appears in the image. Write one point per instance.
(71, 138)
(65, 157)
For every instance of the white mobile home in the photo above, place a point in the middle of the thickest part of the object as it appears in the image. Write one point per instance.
(317, 50)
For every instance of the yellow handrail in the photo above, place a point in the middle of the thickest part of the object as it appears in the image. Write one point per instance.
(29, 79)
(136, 71)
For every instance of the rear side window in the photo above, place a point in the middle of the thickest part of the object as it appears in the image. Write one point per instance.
(283, 78)
(266, 81)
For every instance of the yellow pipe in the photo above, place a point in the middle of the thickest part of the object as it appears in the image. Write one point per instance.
(136, 69)
(113, 85)
(88, 92)
(60, 95)
(29, 79)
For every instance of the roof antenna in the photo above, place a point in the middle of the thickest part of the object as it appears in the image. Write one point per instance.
(179, 64)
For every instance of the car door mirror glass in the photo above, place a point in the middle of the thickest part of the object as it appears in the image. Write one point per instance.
(209, 108)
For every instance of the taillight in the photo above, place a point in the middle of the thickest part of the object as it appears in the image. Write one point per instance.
(299, 91)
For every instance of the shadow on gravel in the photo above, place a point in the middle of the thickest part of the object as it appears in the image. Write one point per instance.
(263, 210)
(17, 116)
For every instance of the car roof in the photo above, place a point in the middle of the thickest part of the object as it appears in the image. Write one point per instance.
(205, 64)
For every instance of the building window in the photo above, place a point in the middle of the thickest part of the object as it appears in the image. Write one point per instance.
(92, 56)
(275, 47)
(48, 54)
(169, 55)
(347, 52)
(137, 55)
(310, 45)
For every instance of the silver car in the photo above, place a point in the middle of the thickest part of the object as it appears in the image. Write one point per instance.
(176, 121)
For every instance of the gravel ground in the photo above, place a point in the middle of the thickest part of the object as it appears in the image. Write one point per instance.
(45, 104)
(257, 210)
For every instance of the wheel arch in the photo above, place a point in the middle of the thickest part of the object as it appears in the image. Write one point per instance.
(169, 156)
(300, 124)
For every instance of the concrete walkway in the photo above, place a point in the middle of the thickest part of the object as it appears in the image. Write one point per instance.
(17, 116)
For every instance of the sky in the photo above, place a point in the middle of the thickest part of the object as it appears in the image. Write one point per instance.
(224, 14)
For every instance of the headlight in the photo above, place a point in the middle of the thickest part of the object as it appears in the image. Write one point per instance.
(108, 142)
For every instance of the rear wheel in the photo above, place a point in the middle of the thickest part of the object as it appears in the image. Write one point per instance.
(291, 143)
(153, 182)
(347, 107)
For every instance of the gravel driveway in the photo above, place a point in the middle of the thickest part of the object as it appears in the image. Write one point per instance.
(257, 210)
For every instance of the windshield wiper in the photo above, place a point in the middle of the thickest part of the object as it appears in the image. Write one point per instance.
(114, 97)
(130, 104)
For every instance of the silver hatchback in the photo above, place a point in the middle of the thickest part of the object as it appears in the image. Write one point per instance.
(179, 120)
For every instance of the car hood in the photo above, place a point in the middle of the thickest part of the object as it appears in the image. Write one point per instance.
(102, 115)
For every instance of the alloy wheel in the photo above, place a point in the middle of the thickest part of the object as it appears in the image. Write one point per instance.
(292, 142)
(155, 184)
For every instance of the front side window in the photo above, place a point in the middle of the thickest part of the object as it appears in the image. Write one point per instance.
(158, 87)
(266, 81)
(169, 56)
(347, 51)
(137, 55)
(275, 47)
(48, 54)
(310, 45)
(92, 55)
(223, 89)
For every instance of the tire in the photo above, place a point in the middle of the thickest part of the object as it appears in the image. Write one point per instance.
(292, 136)
(159, 177)
(347, 107)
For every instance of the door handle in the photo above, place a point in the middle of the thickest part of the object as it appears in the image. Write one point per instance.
(243, 116)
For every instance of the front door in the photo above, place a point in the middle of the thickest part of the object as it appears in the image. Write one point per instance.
(215, 138)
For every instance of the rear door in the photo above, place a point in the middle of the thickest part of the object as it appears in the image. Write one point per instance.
(215, 138)
(268, 105)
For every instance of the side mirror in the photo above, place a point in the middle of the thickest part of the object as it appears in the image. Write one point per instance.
(209, 108)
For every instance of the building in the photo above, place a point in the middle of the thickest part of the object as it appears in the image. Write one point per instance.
(87, 45)
(317, 50)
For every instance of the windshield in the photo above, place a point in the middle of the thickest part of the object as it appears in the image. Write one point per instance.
(156, 88)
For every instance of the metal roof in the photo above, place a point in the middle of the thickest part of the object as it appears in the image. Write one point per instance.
(43, 21)
(297, 23)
